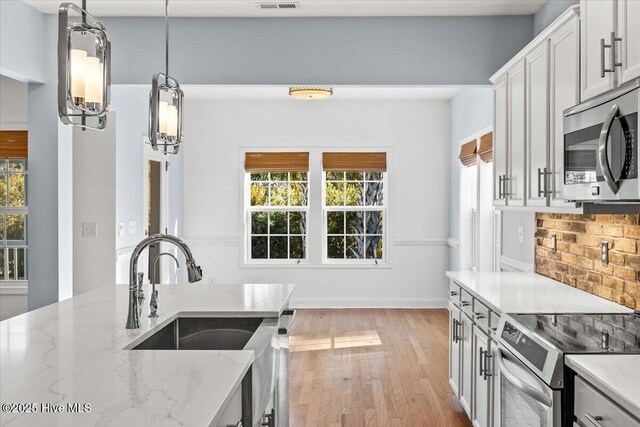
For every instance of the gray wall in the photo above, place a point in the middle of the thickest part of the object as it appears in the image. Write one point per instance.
(471, 111)
(549, 12)
(511, 247)
(376, 51)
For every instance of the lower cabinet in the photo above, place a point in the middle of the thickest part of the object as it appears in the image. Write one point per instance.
(481, 398)
(454, 349)
(466, 362)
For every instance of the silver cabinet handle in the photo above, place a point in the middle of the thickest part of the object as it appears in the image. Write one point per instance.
(465, 303)
(542, 182)
(482, 362)
(455, 337)
(594, 419)
(505, 180)
(500, 187)
(487, 372)
(612, 51)
(604, 70)
(479, 315)
(603, 156)
(453, 293)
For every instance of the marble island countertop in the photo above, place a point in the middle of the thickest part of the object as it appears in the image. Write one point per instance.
(512, 292)
(73, 352)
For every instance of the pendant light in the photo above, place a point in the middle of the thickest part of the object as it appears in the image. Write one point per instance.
(84, 68)
(165, 105)
(311, 92)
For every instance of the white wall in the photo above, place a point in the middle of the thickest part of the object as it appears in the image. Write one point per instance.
(512, 248)
(417, 134)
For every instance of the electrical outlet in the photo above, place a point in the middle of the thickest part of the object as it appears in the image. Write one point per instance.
(121, 228)
(132, 226)
(604, 253)
(554, 243)
(520, 234)
(89, 229)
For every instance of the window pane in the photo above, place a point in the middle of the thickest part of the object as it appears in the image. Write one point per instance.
(259, 194)
(278, 247)
(17, 166)
(3, 165)
(16, 227)
(2, 252)
(335, 222)
(355, 176)
(12, 263)
(335, 176)
(259, 221)
(374, 176)
(335, 247)
(22, 271)
(355, 247)
(374, 222)
(297, 223)
(279, 195)
(2, 220)
(355, 222)
(259, 247)
(374, 247)
(16, 189)
(354, 193)
(278, 223)
(283, 176)
(335, 194)
(3, 189)
(262, 176)
(296, 247)
(373, 196)
(298, 176)
(298, 193)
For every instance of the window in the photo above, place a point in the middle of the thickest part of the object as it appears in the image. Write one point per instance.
(353, 207)
(277, 206)
(13, 219)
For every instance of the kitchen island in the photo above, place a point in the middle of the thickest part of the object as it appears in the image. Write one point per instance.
(75, 352)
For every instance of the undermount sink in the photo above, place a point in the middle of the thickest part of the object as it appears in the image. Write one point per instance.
(195, 333)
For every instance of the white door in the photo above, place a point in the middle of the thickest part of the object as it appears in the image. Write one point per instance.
(628, 49)
(466, 363)
(516, 146)
(564, 92)
(597, 23)
(499, 140)
(537, 125)
(454, 349)
(481, 390)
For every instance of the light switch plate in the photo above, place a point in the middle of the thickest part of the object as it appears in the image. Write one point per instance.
(520, 234)
(132, 226)
(89, 229)
(121, 228)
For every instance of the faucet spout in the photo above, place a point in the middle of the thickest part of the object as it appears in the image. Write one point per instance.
(194, 272)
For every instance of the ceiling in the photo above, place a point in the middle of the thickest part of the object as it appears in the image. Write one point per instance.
(256, 92)
(317, 8)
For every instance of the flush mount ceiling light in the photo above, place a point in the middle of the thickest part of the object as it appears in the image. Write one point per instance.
(311, 92)
(84, 68)
(165, 105)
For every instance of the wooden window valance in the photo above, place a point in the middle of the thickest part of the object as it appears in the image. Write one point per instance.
(276, 162)
(486, 147)
(351, 162)
(469, 153)
(14, 144)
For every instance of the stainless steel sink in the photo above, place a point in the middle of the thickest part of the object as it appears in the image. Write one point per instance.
(195, 333)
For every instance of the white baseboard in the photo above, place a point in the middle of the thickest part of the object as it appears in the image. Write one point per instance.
(368, 302)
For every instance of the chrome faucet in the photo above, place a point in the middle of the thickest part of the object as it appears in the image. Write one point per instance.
(194, 273)
(153, 304)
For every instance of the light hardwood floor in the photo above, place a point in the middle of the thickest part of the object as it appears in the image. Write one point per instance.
(371, 367)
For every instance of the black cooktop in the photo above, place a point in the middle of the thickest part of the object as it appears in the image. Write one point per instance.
(586, 333)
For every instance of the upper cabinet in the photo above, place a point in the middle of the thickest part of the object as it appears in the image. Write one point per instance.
(610, 44)
(515, 181)
(500, 113)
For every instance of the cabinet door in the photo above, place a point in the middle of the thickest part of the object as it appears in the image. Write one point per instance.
(454, 349)
(499, 139)
(596, 24)
(564, 92)
(481, 380)
(516, 124)
(494, 387)
(537, 124)
(466, 363)
(628, 49)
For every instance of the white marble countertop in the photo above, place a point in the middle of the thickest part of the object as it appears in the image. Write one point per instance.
(616, 375)
(72, 352)
(512, 292)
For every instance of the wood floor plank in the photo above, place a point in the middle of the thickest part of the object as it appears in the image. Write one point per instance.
(371, 367)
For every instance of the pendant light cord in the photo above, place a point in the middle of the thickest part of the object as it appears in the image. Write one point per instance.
(166, 29)
(84, 11)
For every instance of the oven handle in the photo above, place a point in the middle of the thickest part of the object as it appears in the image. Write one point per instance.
(603, 157)
(519, 384)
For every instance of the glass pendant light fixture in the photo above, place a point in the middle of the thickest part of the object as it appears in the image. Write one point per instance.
(84, 68)
(165, 105)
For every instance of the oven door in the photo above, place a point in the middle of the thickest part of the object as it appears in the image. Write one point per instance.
(524, 399)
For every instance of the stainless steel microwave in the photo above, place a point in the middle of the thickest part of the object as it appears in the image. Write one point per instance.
(601, 148)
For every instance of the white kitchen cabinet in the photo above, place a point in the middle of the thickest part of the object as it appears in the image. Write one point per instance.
(494, 387)
(481, 401)
(499, 140)
(516, 135)
(466, 362)
(454, 349)
(597, 23)
(537, 124)
(628, 30)
(564, 92)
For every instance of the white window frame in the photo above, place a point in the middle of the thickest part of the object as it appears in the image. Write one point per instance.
(248, 209)
(385, 235)
(6, 245)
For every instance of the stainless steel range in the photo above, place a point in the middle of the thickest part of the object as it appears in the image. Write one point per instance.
(535, 386)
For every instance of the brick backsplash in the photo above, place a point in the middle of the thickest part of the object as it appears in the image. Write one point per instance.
(577, 260)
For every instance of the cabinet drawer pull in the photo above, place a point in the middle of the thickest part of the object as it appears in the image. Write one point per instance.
(481, 362)
(594, 419)
(487, 372)
(465, 303)
(453, 293)
(479, 315)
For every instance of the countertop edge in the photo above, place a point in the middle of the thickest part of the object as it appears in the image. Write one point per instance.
(473, 292)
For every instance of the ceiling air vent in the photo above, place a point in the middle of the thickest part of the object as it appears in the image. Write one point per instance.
(278, 5)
